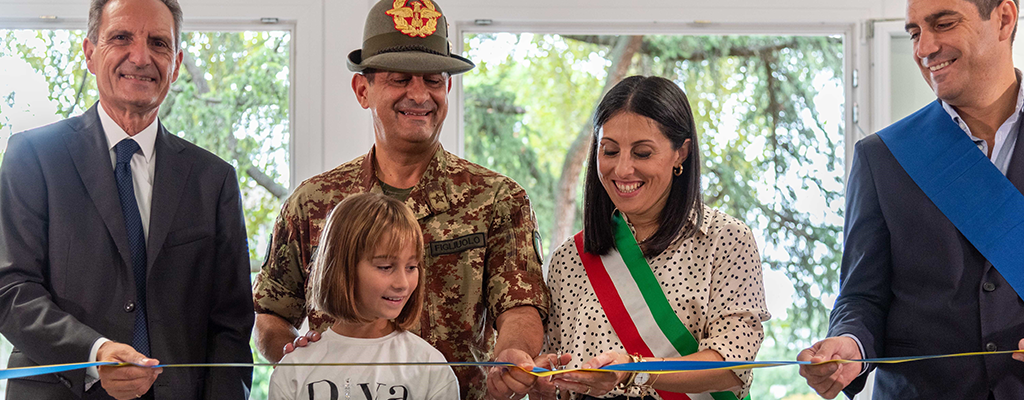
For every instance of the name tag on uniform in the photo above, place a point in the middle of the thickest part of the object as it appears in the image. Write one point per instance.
(459, 244)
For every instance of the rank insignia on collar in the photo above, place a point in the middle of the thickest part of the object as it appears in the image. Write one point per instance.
(418, 20)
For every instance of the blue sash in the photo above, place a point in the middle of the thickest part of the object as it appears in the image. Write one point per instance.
(976, 197)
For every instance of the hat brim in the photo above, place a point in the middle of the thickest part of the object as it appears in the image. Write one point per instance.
(415, 62)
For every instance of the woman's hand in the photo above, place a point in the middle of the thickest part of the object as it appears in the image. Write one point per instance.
(512, 383)
(544, 388)
(594, 383)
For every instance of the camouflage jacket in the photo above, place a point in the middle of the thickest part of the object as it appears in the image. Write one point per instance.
(481, 254)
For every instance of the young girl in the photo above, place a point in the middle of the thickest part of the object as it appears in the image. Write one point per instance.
(366, 276)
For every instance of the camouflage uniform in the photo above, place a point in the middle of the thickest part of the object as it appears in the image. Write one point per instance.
(481, 254)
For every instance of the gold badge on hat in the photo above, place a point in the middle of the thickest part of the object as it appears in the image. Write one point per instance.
(418, 20)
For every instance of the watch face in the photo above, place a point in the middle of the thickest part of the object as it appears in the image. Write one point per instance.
(641, 378)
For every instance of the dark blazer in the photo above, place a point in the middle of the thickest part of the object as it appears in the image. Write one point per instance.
(65, 271)
(911, 284)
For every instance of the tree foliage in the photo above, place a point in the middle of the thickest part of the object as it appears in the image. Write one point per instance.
(232, 98)
(488, 115)
(57, 55)
(762, 170)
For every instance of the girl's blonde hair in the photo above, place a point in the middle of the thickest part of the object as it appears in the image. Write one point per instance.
(360, 227)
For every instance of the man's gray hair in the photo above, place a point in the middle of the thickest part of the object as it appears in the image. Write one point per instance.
(96, 15)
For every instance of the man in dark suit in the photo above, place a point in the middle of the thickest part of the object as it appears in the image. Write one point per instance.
(120, 241)
(911, 282)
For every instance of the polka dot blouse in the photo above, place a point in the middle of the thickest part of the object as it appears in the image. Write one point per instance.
(712, 281)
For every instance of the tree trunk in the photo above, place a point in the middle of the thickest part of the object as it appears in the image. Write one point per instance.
(262, 179)
(565, 193)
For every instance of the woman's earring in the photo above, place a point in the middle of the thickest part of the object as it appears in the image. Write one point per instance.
(677, 170)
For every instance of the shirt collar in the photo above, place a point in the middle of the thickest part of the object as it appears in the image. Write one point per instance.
(146, 139)
(705, 223)
(1013, 117)
(429, 196)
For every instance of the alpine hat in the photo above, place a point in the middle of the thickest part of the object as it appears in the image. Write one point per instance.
(407, 36)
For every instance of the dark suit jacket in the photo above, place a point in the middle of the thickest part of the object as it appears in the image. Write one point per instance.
(911, 284)
(65, 270)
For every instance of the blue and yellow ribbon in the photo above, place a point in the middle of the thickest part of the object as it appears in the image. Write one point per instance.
(23, 372)
(652, 367)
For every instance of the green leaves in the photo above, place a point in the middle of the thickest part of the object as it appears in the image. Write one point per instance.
(58, 56)
(232, 98)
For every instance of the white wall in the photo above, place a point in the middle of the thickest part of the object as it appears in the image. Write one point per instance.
(665, 10)
(893, 9)
(330, 128)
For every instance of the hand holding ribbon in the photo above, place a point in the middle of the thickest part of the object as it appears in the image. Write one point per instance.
(594, 383)
(544, 388)
(126, 382)
(511, 383)
(829, 379)
(651, 367)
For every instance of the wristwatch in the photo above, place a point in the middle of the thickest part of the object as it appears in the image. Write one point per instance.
(635, 382)
(630, 380)
(641, 378)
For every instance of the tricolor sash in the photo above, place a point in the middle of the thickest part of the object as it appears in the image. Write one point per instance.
(636, 305)
(964, 184)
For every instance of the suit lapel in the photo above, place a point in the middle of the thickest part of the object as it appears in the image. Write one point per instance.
(87, 145)
(1016, 170)
(172, 169)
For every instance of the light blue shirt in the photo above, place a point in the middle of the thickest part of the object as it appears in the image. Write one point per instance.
(1006, 135)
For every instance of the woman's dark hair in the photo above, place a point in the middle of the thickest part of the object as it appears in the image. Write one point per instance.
(664, 102)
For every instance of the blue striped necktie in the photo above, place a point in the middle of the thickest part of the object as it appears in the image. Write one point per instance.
(136, 239)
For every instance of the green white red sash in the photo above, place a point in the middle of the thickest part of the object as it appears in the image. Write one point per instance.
(636, 305)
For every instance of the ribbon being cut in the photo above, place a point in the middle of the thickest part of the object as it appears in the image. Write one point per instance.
(652, 367)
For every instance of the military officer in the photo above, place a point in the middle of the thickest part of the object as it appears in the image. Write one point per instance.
(485, 297)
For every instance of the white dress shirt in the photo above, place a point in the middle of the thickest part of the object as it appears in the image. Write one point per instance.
(143, 163)
(143, 166)
(1006, 135)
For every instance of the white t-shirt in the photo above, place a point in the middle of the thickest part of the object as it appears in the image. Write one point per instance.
(364, 382)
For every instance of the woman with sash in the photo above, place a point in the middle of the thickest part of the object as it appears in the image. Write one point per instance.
(655, 274)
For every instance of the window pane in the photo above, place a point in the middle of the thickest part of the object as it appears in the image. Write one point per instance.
(232, 97)
(769, 115)
(908, 92)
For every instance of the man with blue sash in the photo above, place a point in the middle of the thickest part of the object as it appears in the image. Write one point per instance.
(934, 234)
